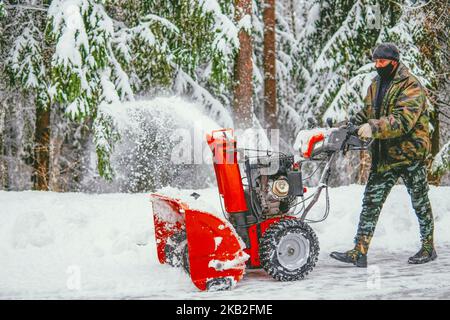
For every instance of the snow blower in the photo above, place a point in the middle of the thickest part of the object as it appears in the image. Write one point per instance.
(264, 224)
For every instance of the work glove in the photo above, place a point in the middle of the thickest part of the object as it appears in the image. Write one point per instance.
(365, 131)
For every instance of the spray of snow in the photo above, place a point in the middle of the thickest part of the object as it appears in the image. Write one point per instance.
(124, 113)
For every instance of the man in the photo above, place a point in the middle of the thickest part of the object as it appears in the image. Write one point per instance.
(394, 114)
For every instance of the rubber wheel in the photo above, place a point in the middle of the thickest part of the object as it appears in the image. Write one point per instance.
(185, 261)
(174, 249)
(289, 250)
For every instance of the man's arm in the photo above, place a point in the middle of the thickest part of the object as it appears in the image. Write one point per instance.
(404, 115)
(363, 115)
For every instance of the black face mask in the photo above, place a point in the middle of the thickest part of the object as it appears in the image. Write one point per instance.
(386, 72)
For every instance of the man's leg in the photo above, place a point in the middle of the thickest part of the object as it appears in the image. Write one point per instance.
(415, 179)
(377, 189)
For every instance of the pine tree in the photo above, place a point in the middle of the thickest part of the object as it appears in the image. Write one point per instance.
(2, 10)
(26, 68)
(89, 53)
(243, 90)
(441, 163)
(67, 62)
(336, 53)
(270, 87)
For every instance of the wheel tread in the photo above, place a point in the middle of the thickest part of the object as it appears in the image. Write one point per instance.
(267, 250)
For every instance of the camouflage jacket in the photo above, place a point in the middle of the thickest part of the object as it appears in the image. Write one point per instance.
(403, 125)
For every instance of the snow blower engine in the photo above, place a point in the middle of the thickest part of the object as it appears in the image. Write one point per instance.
(264, 221)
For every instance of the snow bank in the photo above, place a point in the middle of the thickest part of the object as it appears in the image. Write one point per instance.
(69, 245)
(48, 238)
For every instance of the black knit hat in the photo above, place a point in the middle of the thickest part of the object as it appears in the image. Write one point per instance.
(386, 51)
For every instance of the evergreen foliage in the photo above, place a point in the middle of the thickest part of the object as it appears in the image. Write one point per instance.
(77, 57)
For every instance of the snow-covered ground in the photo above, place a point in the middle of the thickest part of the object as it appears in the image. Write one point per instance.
(69, 245)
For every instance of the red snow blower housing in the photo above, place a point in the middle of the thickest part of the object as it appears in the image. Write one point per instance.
(265, 223)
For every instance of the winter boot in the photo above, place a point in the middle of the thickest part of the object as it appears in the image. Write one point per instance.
(239, 221)
(426, 254)
(356, 256)
(351, 256)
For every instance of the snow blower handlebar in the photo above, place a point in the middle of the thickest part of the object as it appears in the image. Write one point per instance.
(342, 139)
(353, 142)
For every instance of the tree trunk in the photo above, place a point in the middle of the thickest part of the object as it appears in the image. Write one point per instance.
(56, 182)
(42, 149)
(270, 85)
(243, 90)
(434, 179)
(3, 163)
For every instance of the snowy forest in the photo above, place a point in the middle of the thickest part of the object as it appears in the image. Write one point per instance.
(92, 92)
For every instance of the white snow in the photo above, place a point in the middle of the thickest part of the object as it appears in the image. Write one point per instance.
(303, 137)
(442, 159)
(229, 264)
(123, 113)
(217, 242)
(313, 16)
(73, 245)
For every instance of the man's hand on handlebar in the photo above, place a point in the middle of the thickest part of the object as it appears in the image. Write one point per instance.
(352, 129)
(358, 137)
(365, 131)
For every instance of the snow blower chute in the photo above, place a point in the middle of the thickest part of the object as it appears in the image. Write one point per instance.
(264, 224)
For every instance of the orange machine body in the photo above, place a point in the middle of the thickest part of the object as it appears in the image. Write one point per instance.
(226, 167)
(312, 141)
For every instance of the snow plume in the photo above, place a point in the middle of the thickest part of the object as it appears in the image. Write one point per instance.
(99, 60)
(184, 84)
(162, 142)
(105, 139)
(256, 139)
